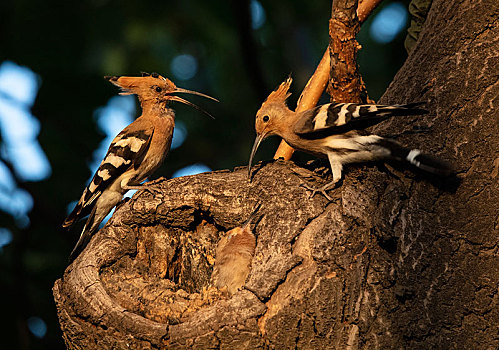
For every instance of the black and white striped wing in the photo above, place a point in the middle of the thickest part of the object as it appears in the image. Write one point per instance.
(335, 118)
(127, 150)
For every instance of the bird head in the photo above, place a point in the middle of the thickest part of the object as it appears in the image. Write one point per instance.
(270, 117)
(154, 88)
(240, 239)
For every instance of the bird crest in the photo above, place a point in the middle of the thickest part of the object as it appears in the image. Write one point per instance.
(151, 88)
(139, 85)
(281, 94)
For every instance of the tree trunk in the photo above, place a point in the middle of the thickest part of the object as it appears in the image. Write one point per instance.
(398, 260)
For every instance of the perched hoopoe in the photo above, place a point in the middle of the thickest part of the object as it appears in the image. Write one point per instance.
(134, 154)
(233, 257)
(335, 131)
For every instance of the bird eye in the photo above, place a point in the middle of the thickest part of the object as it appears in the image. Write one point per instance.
(158, 89)
(265, 118)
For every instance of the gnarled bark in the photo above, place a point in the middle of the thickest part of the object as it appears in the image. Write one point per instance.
(397, 260)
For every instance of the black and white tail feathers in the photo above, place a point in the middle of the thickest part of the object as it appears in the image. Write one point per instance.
(416, 158)
(86, 235)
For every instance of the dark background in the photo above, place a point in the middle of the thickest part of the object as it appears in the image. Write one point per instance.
(70, 45)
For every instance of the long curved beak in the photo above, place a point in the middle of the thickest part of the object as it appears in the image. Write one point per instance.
(180, 99)
(259, 138)
(185, 91)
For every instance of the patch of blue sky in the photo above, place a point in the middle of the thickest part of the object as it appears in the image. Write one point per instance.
(179, 134)
(388, 23)
(258, 16)
(18, 203)
(37, 326)
(19, 83)
(5, 237)
(184, 67)
(20, 129)
(191, 170)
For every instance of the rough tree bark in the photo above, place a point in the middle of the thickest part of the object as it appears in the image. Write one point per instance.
(398, 260)
(345, 82)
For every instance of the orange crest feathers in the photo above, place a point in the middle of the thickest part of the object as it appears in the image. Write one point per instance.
(281, 93)
(134, 85)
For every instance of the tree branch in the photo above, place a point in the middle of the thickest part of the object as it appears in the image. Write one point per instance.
(345, 83)
(365, 8)
(317, 83)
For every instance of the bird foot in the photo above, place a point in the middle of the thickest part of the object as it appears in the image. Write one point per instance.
(321, 189)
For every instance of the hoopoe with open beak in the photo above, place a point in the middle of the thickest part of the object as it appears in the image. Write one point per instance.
(134, 154)
(335, 131)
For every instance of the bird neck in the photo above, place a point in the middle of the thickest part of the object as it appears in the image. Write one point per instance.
(286, 121)
(156, 108)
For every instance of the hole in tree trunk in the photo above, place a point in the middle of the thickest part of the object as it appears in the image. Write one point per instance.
(174, 262)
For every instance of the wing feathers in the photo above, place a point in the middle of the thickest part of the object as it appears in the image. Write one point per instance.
(341, 117)
(127, 149)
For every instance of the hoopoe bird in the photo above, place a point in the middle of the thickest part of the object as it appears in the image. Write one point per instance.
(335, 131)
(134, 154)
(233, 257)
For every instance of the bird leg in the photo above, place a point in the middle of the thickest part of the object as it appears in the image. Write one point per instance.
(336, 169)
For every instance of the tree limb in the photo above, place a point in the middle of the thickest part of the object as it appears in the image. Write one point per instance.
(317, 83)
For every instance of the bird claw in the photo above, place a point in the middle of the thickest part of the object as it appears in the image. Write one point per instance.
(321, 190)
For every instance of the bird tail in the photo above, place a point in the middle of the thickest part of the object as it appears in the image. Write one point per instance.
(74, 216)
(85, 236)
(81, 209)
(416, 158)
(407, 109)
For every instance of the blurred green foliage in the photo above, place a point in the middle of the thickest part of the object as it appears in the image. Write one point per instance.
(72, 44)
(419, 10)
